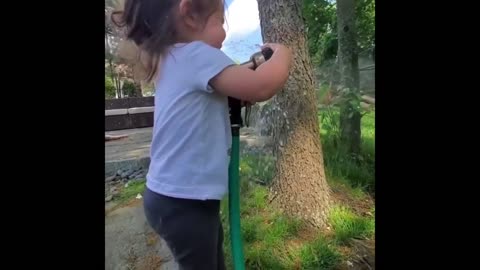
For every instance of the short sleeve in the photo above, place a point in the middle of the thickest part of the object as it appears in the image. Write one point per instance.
(207, 62)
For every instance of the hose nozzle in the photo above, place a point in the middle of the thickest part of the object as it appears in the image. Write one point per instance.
(234, 104)
(258, 58)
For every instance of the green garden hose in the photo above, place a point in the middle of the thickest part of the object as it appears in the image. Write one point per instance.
(233, 169)
(234, 204)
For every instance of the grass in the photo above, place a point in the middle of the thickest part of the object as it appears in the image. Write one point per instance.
(130, 192)
(257, 168)
(263, 257)
(263, 230)
(348, 225)
(274, 241)
(355, 171)
(358, 171)
(319, 254)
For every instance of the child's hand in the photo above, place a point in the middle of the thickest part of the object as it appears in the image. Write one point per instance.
(259, 84)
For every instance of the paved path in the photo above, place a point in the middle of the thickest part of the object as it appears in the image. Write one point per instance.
(130, 243)
(136, 145)
(133, 152)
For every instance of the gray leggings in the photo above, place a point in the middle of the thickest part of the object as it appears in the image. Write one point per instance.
(192, 229)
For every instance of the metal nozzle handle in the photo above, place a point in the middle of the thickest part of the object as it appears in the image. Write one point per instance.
(258, 58)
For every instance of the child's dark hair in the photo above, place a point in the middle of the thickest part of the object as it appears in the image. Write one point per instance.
(151, 25)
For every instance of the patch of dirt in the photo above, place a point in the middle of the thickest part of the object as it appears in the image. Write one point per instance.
(152, 238)
(150, 261)
(361, 206)
(130, 203)
(307, 234)
(130, 243)
(360, 255)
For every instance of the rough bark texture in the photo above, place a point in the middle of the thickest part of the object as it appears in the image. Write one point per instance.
(349, 77)
(299, 187)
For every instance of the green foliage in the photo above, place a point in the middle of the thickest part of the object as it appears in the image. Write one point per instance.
(267, 234)
(128, 88)
(348, 225)
(263, 257)
(132, 190)
(257, 168)
(272, 240)
(365, 11)
(148, 90)
(319, 255)
(350, 98)
(109, 88)
(281, 228)
(357, 170)
(251, 231)
(255, 199)
(321, 21)
(265, 231)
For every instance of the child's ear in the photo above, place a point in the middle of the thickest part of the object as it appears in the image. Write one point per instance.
(188, 14)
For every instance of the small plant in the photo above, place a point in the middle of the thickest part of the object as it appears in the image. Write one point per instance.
(348, 225)
(281, 228)
(264, 231)
(131, 191)
(319, 255)
(109, 88)
(257, 198)
(357, 170)
(261, 257)
(271, 240)
(251, 229)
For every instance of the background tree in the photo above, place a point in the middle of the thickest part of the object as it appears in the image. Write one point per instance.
(349, 76)
(337, 64)
(120, 70)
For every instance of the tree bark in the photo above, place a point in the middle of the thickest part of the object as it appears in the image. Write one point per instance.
(300, 187)
(349, 76)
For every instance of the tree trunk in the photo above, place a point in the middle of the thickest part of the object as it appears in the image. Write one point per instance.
(300, 186)
(120, 86)
(349, 77)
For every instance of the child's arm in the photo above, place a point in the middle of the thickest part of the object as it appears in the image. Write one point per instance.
(255, 85)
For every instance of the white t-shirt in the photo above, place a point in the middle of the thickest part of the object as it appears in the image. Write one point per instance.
(191, 134)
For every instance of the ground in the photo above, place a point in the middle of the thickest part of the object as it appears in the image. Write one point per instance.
(130, 243)
(348, 244)
(131, 152)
